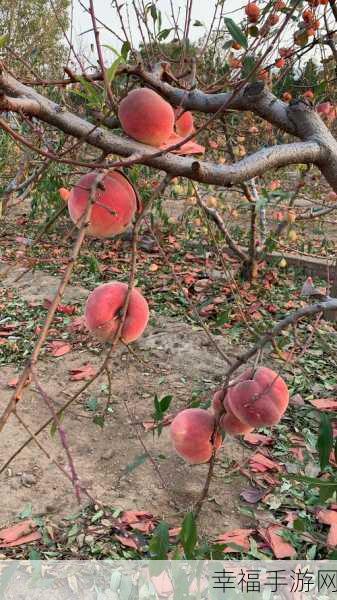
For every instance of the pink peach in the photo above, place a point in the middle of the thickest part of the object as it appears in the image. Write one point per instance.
(114, 206)
(102, 312)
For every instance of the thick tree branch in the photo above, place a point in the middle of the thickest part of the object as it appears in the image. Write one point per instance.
(206, 172)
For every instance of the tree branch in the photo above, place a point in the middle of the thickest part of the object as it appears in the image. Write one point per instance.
(206, 172)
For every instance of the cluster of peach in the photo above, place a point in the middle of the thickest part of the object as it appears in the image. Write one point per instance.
(147, 118)
(257, 398)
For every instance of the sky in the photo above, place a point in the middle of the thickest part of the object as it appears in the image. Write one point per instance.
(202, 11)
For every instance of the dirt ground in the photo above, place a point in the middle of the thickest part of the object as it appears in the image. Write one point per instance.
(174, 358)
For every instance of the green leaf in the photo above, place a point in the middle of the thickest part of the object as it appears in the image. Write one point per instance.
(162, 35)
(112, 70)
(99, 420)
(91, 404)
(165, 403)
(125, 50)
(3, 40)
(97, 516)
(236, 33)
(153, 11)
(188, 535)
(325, 441)
(53, 427)
(139, 460)
(159, 543)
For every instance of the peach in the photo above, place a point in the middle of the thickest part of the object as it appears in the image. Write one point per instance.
(114, 206)
(64, 194)
(253, 12)
(230, 424)
(280, 63)
(217, 402)
(260, 400)
(102, 312)
(146, 117)
(184, 123)
(273, 19)
(191, 434)
(287, 97)
(309, 94)
(324, 108)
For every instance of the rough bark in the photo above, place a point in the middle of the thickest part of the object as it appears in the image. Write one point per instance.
(310, 151)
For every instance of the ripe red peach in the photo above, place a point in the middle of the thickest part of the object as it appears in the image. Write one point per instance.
(102, 312)
(309, 94)
(184, 123)
(273, 19)
(280, 63)
(324, 108)
(230, 424)
(114, 206)
(253, 12)
(260, 400)
(287, 97)
(146, 117)
(191, 434)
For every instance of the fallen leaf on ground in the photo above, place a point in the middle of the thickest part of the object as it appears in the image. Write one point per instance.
(66, 309)
(296, 400)
(144, 527)
(298, 453)
(324, 403)
(329, 517)
(332, 536)
(239, 537)
(258, 438)
(260, 463)
(59, 348)
(14, 382)
(20, 533)
(80, 373)
(253, 495)
(77, 324)
(127, 541)
(134, 516)
(281, 548)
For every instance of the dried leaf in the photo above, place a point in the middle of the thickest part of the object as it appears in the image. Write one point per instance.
(253, 495)
(134, 516)
(127, 541)
(82, 373)
(14, 382)
(279, 546)
(257, 439)
(260, 463)
(328, 517)
(20, 533)
(59, 348)
(332, 537)
(77, 324)
(66, 309)
(325, 404)
(239, 537)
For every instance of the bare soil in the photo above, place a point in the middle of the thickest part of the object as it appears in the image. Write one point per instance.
(173, 358)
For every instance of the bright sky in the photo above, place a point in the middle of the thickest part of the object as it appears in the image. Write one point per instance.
(203, 11)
